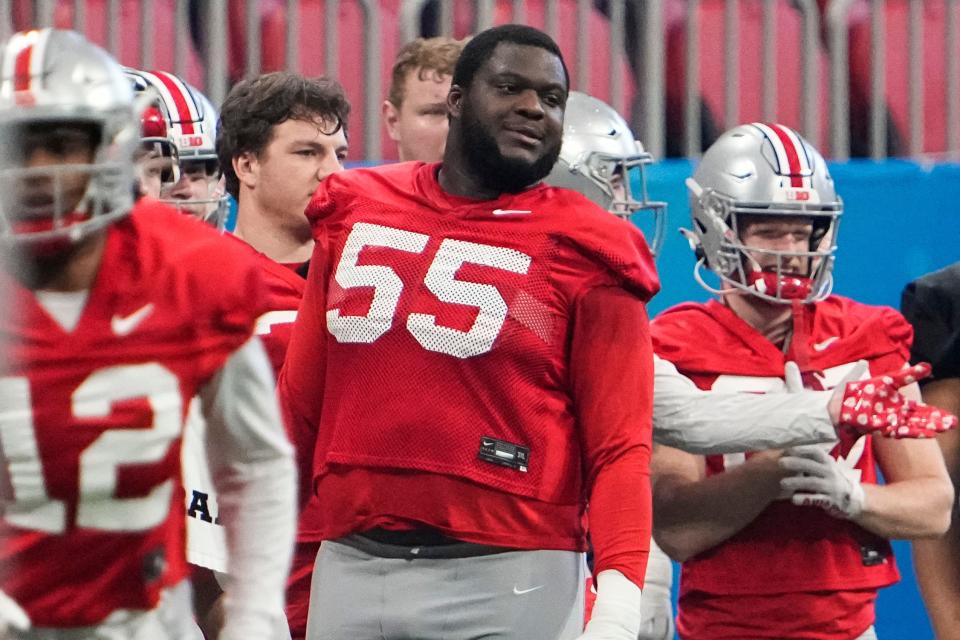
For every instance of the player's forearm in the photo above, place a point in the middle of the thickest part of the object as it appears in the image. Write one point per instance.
(937, 564)
(620, 517)
(611, 374)
(258, 509)
(916, 508)
(706, 423)
(252, 468)
(693, 516)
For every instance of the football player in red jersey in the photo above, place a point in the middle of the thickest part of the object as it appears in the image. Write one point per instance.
(472, 354)
(600, 159)
(118, 326)
(793, 543)
(281, 134)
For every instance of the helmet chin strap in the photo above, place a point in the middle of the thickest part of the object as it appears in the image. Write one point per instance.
(698, 276)
(800, 337)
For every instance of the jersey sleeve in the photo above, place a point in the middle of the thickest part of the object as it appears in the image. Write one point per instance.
(251, 465)
(222, 284)
(612, 388)
(715, 422)
(900, 334)
(603, 249)
(304, 368)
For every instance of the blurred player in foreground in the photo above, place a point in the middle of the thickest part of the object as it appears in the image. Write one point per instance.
(119, 326)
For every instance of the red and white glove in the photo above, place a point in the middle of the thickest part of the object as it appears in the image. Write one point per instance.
(12, 616)
(819, 480)
(875, 406)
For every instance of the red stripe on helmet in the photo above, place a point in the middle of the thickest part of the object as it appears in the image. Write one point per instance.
(793, 158)
(179, 101)
(21, 69)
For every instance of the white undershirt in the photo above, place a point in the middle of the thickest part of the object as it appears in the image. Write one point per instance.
(712, 422)
(63, 306)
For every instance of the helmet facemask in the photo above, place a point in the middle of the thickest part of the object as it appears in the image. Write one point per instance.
(62, 201)
(209, 202)
(48, 194)
(602, 161)
(768, 274)
(626, 197)
(766, 172)
(189, 122)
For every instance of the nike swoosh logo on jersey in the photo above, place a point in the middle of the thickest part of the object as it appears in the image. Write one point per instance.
(507, 212)
(820, 346)
(520, 592)
(124, 325)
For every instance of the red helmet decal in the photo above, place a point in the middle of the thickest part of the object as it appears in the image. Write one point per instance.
(153, 124)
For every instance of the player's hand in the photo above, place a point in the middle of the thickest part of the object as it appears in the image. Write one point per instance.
(616, 612)
(817, 479)
(875, 405)
(12, 616)
(792, 377)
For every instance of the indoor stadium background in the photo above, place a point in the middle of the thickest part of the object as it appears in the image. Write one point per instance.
(874, 84)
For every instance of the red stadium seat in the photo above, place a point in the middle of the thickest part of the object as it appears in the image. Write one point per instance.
(597, 33)
(898, 68)
(713, 76)
(161, 20)
(310, 24)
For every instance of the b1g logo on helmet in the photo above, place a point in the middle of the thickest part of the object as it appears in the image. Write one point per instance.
(191, 141)
(806, 196)
(24, 98)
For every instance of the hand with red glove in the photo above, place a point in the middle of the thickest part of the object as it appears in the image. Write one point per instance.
(876, 406)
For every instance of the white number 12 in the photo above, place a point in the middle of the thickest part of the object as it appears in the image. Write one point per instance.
(97, 507)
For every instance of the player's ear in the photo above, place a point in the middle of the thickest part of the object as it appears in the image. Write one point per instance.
(246, 166)
(391, 115)
(455, 99)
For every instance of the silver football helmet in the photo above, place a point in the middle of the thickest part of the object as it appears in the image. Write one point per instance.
(52, 80)
(191, 127)
(601, 159)
(158, 150)
(763, 170)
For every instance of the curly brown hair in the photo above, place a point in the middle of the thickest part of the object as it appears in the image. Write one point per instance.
(254, 107)
(425, 55)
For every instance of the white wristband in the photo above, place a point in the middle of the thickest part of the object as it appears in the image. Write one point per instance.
(616, 612)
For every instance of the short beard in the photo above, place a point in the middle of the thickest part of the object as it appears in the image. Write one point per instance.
(495, 172)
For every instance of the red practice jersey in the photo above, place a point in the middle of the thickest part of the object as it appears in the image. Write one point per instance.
(794, 554)
(91, 419)
(432, 351)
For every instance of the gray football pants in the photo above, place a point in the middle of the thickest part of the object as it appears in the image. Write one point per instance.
(517, 595)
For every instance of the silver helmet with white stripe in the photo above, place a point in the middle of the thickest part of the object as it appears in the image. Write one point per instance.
(63, 96)
(191, 128)
(766, 170)
(601, 160)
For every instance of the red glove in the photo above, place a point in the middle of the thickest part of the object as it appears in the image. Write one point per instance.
(875, 405)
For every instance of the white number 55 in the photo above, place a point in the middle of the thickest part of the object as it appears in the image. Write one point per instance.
(440, 280)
